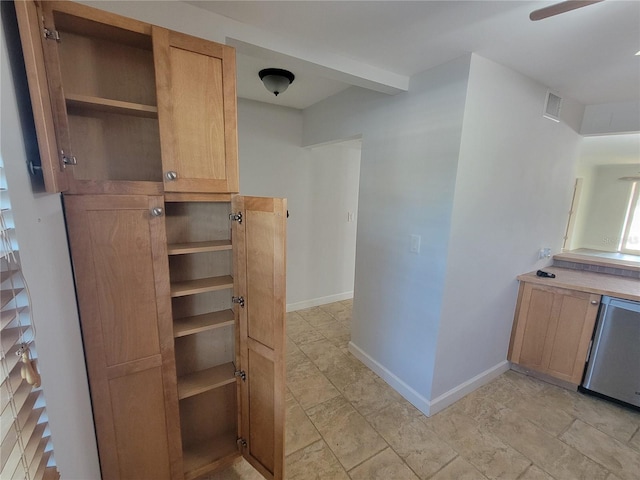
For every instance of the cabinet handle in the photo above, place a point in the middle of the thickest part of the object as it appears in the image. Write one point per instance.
(156, 212)
(171, 175)
(594, 302)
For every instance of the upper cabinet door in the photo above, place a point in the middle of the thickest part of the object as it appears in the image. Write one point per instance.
(31, 23)
(259, 267)
(196, 91)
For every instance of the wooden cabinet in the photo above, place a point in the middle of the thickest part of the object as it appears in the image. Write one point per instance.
(180, 284)
(196, 87)
(260, 266)
(124, 107)
(210, 264)
(181, 377)
(552, 330)
(122, 283)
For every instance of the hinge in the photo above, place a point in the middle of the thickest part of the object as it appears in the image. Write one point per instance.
(238, 300)
(236, 217)
(68, 159)
(51, 34)
(241, 374)
(242, 443)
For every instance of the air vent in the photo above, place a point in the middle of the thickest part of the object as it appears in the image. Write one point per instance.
(552, 107)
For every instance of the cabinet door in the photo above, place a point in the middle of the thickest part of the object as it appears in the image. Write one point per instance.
(121, 272)
(553, 329)
(31, 23)
(259, 266)
(196, 90)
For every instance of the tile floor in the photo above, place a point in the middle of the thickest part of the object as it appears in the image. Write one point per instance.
(344, 422)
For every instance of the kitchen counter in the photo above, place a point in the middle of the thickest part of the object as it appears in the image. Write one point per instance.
(598, 283)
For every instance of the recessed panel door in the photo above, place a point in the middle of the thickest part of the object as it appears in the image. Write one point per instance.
(196, 89)
(260, 265)
(121, 272)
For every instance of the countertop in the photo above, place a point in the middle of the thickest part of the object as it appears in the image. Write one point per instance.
(599, 283)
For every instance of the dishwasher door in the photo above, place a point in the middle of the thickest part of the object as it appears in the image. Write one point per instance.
(614, 364)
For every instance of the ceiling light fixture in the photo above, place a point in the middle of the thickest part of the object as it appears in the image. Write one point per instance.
(276, 80)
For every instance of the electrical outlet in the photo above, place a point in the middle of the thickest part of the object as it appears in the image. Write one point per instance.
(544, 253)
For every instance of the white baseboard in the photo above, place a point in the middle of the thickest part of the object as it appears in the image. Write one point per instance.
(443, 401)
(314, 302)
(420, 402)
(399, 385)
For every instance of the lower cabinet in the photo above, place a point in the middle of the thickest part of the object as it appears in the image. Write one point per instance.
(552, 330)
(182, 312)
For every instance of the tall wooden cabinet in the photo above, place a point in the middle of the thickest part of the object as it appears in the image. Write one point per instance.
(180, 282)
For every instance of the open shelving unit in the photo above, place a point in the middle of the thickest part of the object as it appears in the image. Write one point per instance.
(111, 108)
(201, 269)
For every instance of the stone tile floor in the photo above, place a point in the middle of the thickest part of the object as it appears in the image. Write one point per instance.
(344, 422)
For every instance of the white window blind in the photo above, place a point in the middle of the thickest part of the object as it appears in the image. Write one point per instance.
(26, 450)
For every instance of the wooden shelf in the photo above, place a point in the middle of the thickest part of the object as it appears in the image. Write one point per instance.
(209, 455)
(205, 380)
(200, 323)
(201, 285)
(198, 247)
(87, 102)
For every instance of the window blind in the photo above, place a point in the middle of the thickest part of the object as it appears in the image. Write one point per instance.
(26, 450)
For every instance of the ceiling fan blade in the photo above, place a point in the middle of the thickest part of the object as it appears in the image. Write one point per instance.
(559, 8)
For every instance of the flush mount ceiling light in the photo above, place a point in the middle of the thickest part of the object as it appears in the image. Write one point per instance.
(276, 80)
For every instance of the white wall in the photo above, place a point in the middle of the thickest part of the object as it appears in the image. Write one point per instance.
(410, 146)
(513, 194)
(611, 118)
(603, 207)
(42, 239)
(321, 186)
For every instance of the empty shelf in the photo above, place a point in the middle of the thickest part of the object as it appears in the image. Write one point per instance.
(201, 285)
(198, 247)
(87, 102)
(205, 380)
(200, 323)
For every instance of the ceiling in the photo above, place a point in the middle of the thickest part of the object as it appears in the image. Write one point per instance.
(586, 54)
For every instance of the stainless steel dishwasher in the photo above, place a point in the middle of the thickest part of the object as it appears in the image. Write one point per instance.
(613, 367)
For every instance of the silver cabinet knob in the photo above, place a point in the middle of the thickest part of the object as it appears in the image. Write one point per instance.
(156, 212)
(594, 302)
(171, 175)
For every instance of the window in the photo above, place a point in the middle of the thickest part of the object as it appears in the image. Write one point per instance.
(26, 450)
(631, 232)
